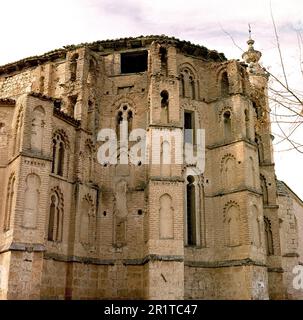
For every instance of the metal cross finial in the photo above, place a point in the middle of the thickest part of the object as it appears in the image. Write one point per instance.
(249, 30)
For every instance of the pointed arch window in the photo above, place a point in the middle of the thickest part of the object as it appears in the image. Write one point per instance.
(188, 83)
(55, 222)
(232, 226)
(124, 121)
(59, 156)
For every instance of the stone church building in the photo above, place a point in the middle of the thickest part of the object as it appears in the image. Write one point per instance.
(74, 228)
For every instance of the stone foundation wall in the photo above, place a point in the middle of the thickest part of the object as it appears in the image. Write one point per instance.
(84, 281)
(233, 283)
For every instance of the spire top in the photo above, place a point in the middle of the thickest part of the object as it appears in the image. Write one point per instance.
(249, 30)
(250, 41)
(251, 55)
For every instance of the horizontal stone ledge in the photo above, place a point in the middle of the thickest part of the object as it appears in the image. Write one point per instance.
(166, 179)
(153, 258)
(224, 264)
(238, 190)
(126, 262)
(75, 259)
(276, 270)
(226, 144)
(271, 207)
(161, 126)
(291, 255)
(26, 247)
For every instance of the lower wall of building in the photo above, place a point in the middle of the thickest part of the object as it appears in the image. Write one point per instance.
(232, 283)
(24, 275)
(80, 281)
(165, 280)
(276, 290)
(291, 280)
(4, 274)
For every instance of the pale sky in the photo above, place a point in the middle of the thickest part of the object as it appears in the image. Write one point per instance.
(33, 27)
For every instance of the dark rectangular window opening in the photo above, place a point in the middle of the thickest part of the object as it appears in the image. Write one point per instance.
(132, 62)
(189, 127)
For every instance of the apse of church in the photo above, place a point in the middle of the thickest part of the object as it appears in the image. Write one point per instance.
(75, 227)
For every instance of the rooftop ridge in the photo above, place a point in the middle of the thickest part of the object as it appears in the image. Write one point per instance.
(7, 101)
(115, 45)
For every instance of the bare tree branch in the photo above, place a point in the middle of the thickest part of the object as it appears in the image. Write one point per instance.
(278, 45)
(231, 37)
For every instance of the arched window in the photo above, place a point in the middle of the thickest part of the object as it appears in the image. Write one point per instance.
(227, 125)
(84, 224)
(264, 190)
(55, 222)
(224, 85)
(229, 169)
(59, 154)
(73, 67)
(31, 202)
(164, 106)
(124, 122)
(165, 159)
(187, 83)
(166, 217)
(232, 226)
(9, 202)
(191, 212)
(52, 214)
(268, 237)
